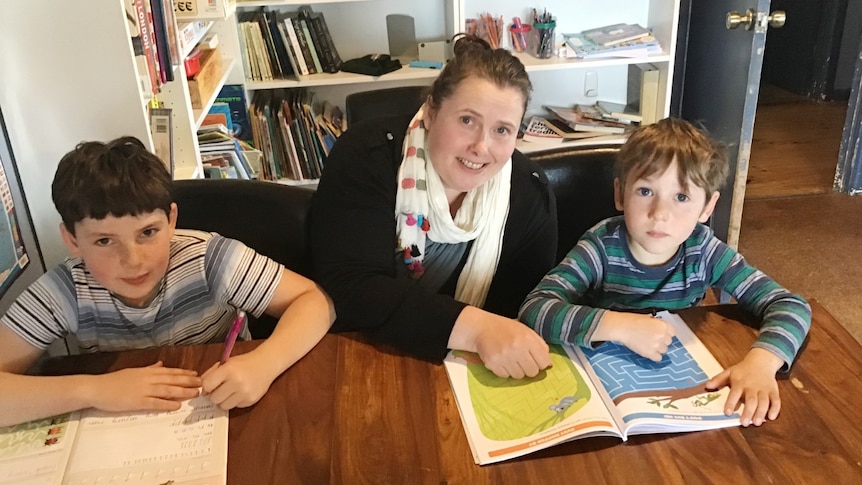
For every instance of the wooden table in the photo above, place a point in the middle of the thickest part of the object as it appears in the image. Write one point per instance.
(353, 413)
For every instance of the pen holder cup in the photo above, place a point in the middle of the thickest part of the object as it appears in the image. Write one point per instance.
(542, 40)
(520, 37)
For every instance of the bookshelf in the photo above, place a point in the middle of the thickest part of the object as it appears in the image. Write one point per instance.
(69, 74)
(556, 80)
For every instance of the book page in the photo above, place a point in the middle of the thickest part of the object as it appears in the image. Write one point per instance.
(505, 418)
(666, 396)
(183, 447)
(36, 452)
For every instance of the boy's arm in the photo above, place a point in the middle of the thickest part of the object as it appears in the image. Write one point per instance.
(24, 398)
(305, 314)
(785, 317)
(552, 308)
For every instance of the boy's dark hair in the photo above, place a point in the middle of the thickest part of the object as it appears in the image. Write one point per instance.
(475, 57)
(119, 178)
(652, 148)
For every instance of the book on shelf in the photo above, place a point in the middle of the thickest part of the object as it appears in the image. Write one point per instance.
(618, 111)
(184, 446)
(147, 87)
(234, 96)
(161, 129)
(295, 46)
(302, 41)
(607, 391)
(642, 92)
(322, 39)
(582, 117)
(546, 131)
(579, 46)
(615, 34)
(142, 43)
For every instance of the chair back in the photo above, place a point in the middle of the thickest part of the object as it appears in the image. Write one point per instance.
(402, 100)
(582, 179)
(271, 218)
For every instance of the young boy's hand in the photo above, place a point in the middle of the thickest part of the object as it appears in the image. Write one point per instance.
(240, 382)
(752, 383)
(151, 388)
(643, 334)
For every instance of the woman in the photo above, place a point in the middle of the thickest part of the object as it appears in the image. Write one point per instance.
(428, 233)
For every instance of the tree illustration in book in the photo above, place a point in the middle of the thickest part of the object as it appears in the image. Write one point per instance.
(508, 409)
(626, 375)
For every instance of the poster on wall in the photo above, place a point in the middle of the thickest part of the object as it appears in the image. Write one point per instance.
(13, 254)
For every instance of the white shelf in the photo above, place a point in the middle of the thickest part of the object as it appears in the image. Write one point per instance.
(533, 64)
(200, 114)
(186, 172)
(341, 77)
(187, 48)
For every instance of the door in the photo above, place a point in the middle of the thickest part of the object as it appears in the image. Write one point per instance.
(719, 91)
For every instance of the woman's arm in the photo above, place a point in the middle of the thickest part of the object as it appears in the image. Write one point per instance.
(353, 246)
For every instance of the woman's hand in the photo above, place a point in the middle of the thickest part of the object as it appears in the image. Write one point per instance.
(507, 347)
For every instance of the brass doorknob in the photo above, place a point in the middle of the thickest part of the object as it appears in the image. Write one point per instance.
(735, 19)
(777, 19)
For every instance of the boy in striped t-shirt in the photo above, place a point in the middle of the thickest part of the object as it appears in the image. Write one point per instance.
(659, 255)
(135, 281)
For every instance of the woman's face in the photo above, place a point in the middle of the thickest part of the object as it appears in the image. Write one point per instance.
(473, 134)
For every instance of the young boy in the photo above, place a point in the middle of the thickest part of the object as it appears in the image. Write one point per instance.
(135, 282)
(660, 256)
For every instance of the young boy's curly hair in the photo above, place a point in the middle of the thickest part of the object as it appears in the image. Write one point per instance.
(652, 148)
(119, 178)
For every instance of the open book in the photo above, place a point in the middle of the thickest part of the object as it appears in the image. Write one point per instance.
(605, 391)
(183, 447)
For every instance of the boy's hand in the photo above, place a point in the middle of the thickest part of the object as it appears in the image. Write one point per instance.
(752, 382)
(645, 335)
(151, 388)
(240, 382)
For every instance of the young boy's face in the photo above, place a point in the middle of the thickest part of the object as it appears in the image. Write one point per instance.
(127, 255)
(660, 214)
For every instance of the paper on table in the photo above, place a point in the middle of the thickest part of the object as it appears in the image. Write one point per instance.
(187, 446)
(36, 452)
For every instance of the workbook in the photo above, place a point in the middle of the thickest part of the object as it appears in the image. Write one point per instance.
(183, 447)
(606, 391)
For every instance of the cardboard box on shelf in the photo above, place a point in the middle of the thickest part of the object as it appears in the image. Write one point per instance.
(204, 85)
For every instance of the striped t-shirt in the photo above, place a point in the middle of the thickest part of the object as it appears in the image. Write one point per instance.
(600, 274)
(209, 277)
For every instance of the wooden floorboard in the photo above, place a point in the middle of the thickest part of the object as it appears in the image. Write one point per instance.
(794, 150)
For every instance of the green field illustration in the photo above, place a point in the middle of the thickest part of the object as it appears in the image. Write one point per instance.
(509, 409)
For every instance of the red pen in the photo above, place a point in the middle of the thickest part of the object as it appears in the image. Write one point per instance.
(232, 334)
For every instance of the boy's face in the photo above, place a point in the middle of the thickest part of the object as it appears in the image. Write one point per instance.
(660, 214)
(127, 255)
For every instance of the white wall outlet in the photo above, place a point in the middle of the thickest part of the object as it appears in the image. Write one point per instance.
(591, 84)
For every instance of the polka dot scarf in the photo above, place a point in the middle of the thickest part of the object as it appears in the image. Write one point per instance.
(421, 211)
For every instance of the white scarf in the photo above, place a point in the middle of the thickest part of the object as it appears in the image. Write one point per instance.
(421, 209)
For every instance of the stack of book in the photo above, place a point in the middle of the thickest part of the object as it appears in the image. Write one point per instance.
(284, 45)
(153, 31)
(294, 132)
(617, 40)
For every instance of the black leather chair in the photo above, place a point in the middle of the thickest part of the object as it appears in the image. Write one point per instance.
(582, 179)
(382, 102)
(268, 217)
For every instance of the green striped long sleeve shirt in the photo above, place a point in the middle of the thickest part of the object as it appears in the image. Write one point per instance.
(600, 274)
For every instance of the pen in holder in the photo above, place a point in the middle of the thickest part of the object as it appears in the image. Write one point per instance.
(543, 39)
(519, 33)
